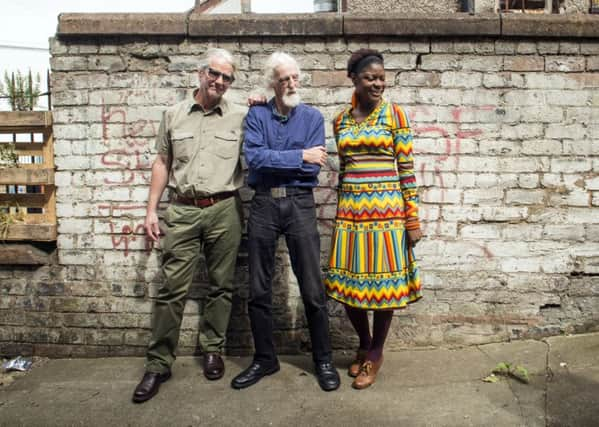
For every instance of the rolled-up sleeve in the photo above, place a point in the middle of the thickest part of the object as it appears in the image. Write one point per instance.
(163, 144)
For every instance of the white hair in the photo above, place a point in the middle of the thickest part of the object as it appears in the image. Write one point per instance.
(274, 61)
(217, 53)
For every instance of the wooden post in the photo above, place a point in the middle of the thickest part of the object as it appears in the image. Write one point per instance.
(50, 190)
(48, 89)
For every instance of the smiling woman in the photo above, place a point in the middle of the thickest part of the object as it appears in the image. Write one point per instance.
(372, 264)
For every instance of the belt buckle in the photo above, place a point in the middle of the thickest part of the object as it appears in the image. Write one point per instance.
(278, 192)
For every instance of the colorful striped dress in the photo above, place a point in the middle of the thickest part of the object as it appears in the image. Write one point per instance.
(372, 266)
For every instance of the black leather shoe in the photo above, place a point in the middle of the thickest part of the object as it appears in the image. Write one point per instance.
(328, 377)
(214, 367)
(149, 385)
(253, 374)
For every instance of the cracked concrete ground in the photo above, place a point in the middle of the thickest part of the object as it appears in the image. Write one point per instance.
(438, 387)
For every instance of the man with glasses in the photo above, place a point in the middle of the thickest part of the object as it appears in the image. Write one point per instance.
(284, 149)
(199, 145)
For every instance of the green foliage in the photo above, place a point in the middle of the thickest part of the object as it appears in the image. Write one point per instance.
(8, 157)
(10, 216)
(521, 374)
(502, 368)
(507, 370)
(23, 91)
(491, 378)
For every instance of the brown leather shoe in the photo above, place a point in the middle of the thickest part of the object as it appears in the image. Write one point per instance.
(149, 386)
(354, 367)
(214, 367)
(367, 375)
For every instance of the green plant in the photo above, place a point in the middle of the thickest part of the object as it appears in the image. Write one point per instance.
(7, 218)
(507, 370)
(8, 157)
(23, 91)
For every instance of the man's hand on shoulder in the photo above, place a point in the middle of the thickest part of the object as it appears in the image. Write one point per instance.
(315, 155)
(256, 100)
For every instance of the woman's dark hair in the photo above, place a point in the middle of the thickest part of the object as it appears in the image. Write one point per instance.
(361, 58)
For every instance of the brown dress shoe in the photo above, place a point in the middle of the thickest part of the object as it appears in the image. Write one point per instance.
(149, 386)
(367, 375)
(354, 367)
(214, 367)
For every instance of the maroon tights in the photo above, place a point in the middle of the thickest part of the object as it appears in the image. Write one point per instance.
(380, 327)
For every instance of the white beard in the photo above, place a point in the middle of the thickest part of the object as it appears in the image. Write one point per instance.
(292, 101)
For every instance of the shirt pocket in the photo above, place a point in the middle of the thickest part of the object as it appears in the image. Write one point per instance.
(182, 146)
(226, 144)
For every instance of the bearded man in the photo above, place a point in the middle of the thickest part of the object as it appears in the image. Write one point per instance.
(284, 150)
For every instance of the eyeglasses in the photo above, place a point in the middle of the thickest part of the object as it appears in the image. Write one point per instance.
(214, 75)
(286, 80)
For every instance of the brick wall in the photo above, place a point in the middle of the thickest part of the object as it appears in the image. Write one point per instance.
(507, 144)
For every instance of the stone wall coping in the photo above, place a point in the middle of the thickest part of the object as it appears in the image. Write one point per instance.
(320, 24)
(327, 24)
(114, 24)
(550, 25)
(455, 24)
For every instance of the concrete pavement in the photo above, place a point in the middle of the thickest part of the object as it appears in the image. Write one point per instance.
(433, 387)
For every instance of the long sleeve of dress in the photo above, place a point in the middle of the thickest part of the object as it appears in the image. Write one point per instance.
(336, 124)
(403, 142)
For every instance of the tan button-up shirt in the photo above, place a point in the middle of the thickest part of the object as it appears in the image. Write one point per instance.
(203, 147)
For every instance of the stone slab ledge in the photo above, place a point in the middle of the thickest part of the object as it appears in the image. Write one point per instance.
(455, 24)
(321, 24)
(327, 24)
(578, 26)
(116, 24)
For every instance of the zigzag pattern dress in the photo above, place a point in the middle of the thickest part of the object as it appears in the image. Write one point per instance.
(372, 266)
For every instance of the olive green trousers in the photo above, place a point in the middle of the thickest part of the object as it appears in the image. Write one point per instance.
(217, 230)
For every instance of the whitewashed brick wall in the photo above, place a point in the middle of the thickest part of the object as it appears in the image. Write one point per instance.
(507, 159)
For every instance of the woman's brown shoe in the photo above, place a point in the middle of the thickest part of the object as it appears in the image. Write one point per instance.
(354, 367)
(367, 375)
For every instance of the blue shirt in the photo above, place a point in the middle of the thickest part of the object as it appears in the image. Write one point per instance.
(273, 145)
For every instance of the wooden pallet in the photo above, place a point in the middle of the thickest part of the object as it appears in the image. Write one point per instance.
(25, 126)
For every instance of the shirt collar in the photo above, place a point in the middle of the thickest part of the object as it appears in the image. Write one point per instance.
(278, 116)
(221, 108)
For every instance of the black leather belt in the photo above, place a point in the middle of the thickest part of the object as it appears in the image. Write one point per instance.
(205, 202)
(282, 192)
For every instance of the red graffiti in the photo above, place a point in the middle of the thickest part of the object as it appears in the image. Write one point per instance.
(127, 235)
(134, 157)
(107, 116)
(452, 138)
(121, 239)
(133, 161)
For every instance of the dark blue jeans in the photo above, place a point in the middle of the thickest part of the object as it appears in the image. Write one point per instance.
(294, 216)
